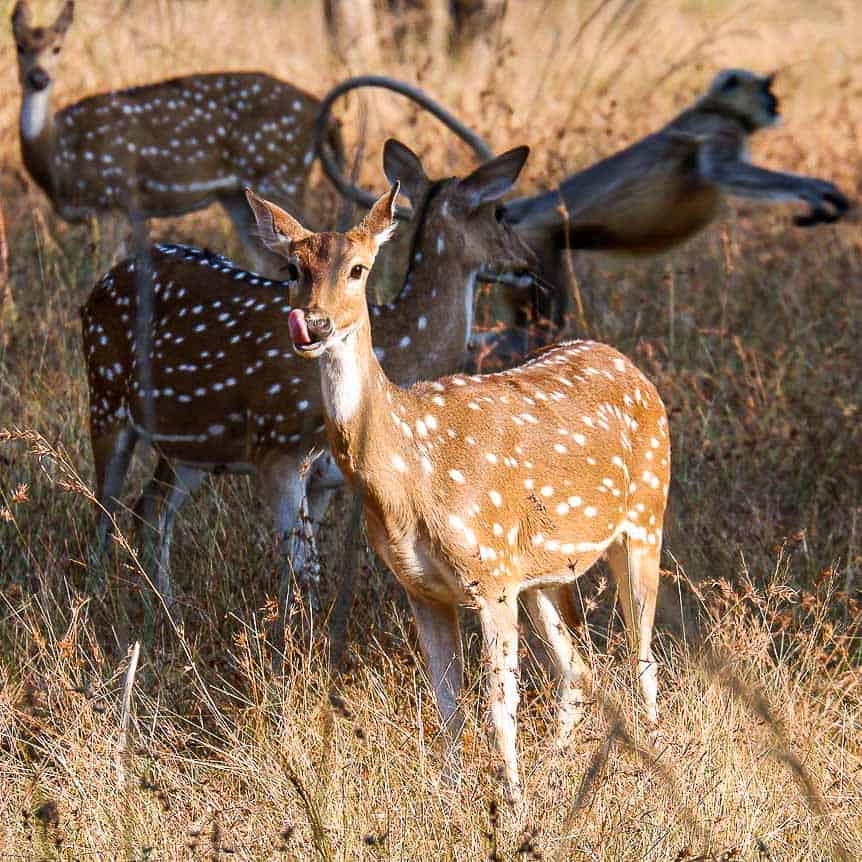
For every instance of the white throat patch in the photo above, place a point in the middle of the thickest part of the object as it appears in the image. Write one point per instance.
(34, 113)
(342, 383)
(468, 306)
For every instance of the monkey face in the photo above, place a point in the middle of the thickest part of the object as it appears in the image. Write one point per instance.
(747, 95)
(769, 100)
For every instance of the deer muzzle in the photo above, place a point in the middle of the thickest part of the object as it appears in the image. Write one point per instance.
(38, 79)
(309, 331)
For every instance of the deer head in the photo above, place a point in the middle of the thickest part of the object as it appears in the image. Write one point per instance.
(331, 269)
(473, 200)
(38, 47)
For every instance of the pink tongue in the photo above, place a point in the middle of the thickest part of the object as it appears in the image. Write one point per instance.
(298, 330)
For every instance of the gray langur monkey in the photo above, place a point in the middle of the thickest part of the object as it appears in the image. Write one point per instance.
(665, 188)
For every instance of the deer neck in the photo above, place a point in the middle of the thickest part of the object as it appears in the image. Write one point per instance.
(37, 135)
(424, 332)
(362, 407)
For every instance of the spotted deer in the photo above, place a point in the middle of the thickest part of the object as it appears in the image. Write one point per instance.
(480, 489)
(166, 148)
(228, 392)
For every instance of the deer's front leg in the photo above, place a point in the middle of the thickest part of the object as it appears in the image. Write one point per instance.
(499, 618)
(284, 490)
(440, 639)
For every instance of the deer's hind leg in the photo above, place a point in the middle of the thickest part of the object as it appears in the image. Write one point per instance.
(573, 675)
(635, 566)
(112, 454)
(170, 487)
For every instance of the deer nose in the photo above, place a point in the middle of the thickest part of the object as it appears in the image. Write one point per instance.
(319, 325)
(38, 78)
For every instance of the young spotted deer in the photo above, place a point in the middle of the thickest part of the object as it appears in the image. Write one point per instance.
(227, 391)
(478, 489)
(163, 149)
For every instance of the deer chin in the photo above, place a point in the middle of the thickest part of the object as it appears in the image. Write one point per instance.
(304, 344)
(311, 351)
(316, 347)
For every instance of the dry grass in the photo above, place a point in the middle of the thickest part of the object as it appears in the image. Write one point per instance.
(753, 334)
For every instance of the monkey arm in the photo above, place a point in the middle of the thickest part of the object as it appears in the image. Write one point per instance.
(721, 165)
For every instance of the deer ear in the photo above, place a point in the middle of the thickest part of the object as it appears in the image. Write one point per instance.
(401, 164)
(20, 19)
(64, 19)
(276, 229)
(380, 223)
(491, 181)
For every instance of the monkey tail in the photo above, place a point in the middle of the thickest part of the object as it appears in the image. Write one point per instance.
(322, 145)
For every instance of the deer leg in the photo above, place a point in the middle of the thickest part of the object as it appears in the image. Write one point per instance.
(181, 482)
(304, 552)
(346, 588)
(572, 673)
(499, 619)
(323, 480)
(147, 507)
(635, 566)
(440, 640)
(112, 454)
(304, 560)
(147, 516)
(284, 490)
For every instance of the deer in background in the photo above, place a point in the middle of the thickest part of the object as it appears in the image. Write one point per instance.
(228, 392)
(478, 489)
(359, 34)
(163, 149)
(172, 147)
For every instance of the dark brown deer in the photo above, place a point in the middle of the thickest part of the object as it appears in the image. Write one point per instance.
(227, 392)
(175, 146)
(163, 149)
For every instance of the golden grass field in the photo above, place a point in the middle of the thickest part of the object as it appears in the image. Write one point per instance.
(753, 335)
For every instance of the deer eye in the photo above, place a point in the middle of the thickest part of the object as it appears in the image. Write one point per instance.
(356, 271)
(291, 271)
(55, 49)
